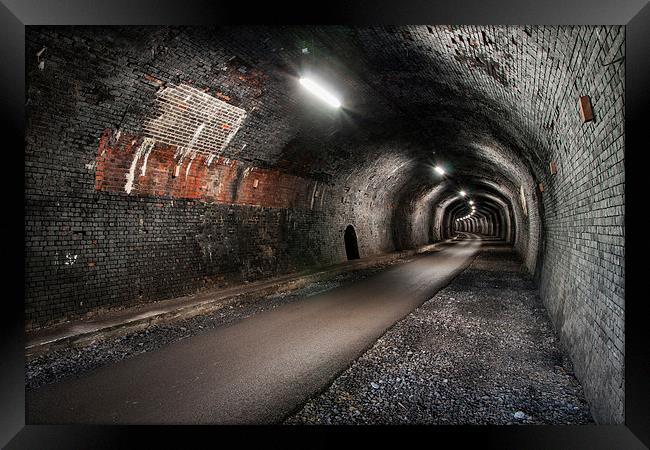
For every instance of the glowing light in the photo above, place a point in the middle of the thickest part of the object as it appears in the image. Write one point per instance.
(439, 170)
(471, 202)
(320, 92)
(463, 193)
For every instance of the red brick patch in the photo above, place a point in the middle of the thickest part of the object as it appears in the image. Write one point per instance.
(224, 181)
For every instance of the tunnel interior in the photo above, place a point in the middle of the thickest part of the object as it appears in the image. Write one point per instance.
(163, 160)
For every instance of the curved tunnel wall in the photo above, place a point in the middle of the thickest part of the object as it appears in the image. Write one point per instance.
(495, 105)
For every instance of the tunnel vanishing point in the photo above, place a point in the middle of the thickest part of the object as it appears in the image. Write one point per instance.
(165, 161)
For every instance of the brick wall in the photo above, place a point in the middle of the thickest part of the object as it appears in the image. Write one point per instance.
(582, 277)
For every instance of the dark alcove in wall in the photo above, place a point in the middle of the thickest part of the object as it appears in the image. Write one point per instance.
(351, 246)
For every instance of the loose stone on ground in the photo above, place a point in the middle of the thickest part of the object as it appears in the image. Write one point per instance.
(482, 351)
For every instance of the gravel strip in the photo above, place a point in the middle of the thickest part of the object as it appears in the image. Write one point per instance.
(482, 351)
(70, 361)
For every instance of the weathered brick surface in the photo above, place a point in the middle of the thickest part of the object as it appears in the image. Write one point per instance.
(222, 181)
(493, 105)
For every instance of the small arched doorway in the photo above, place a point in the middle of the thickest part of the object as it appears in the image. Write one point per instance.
(351, 246)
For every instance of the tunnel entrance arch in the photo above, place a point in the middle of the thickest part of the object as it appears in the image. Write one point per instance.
(351, 245)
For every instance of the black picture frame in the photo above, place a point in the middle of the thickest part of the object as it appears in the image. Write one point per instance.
(634, 14)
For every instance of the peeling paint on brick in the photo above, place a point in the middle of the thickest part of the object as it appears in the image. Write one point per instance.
(144, 148)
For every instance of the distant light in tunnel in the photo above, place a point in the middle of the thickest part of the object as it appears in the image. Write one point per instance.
(320, 92)
(439, 170)
(471, 202)
(463, 193)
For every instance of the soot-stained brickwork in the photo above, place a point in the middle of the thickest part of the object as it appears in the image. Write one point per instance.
(494, 106)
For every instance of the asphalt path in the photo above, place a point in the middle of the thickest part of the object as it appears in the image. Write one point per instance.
(257, 370)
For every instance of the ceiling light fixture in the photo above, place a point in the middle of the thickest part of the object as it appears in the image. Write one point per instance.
(320, 92)
(439, 170)
(462, 193)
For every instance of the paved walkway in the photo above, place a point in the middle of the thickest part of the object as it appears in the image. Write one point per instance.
(120, 321)
(257, 370)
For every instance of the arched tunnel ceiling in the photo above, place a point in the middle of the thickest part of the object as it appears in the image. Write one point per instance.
(441, 93)
(456, 96)
(465, 97)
